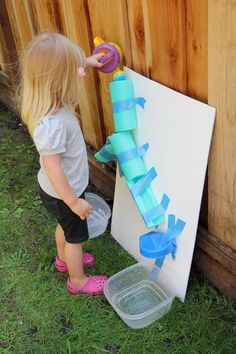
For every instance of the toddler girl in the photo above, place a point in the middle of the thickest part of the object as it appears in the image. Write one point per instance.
(52, 66)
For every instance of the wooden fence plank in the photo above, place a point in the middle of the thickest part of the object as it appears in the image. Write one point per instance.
(109, 21)
(75, 26)
(165, 37)
(221, 94)
(44, 15)
(197, 67)
(138, 41)
(20, 19)
(8, 54)
(220, 276)
(197, 49)
(6, 92)
(217, 249)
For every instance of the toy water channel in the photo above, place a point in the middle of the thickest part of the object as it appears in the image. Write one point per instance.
(141, 293)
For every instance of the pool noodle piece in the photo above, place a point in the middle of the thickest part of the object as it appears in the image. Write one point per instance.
(178, 130)
(121, 142)
(106, 153)
(122, 90)
(146, 201)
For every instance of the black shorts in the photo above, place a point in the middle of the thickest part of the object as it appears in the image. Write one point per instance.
(75, 229)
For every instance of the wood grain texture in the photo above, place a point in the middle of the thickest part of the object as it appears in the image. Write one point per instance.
(109, 21)
(21, 23)
(44, 15)
(217, 249)
(197, 67)
(138, 42)
(75, 25)
(101, 176)
(165, 42)
(221, 94)
(6, 92)
(220, 276)
(197, 48)
(8, 54)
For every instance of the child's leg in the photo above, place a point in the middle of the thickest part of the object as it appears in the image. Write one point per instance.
(60, 242)
(87, 258)
(73, 253)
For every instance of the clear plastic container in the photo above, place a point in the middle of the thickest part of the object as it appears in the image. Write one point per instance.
(140, 294)
(98, 220)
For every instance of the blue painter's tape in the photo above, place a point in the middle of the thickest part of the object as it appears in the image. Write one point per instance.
(132, 153)
(143, 182)
(152, 214)
(124, 105)
(165, 201)
(106, 155)
(174, 229)
(173, 253)
(159, 262)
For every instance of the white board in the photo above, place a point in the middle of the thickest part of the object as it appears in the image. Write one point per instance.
(178, 130)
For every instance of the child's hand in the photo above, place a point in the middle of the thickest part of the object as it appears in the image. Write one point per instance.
(82, 208)
(93, 61)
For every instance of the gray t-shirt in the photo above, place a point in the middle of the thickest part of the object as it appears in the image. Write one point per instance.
(60, 133)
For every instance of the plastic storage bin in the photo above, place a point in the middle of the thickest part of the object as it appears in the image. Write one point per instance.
(140, 294)
(98, 220)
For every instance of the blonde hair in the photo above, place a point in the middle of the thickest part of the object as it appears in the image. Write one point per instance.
(49, 77)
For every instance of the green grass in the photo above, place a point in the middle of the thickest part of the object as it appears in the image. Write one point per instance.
(37, 315)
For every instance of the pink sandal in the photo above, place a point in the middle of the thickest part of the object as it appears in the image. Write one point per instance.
(93, 286)
(88, 261)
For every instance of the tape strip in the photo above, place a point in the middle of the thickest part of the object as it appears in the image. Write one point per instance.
(143, 182)
(132, 153)
(124, 105)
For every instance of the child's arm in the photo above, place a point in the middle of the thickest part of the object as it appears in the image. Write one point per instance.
(93, 61)
(52, 165)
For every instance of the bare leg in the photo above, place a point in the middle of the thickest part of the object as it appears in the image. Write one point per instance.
(74, 260)
(60, 242)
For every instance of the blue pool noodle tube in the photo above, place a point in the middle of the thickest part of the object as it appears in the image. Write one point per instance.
(121, 146)
(123, 91)
(106, 153)
(152, 212)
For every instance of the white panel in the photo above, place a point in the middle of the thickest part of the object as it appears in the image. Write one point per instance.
(178, 130)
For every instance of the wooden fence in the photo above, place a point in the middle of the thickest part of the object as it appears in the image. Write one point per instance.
(188, 45)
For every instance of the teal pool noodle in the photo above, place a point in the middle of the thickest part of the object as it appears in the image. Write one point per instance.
(109, 149)
(146, 201)
(124, 141)
(122, 90)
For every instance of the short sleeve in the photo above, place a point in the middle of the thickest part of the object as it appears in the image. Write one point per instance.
(50, 136)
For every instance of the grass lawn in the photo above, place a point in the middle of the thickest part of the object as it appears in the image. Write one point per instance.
(37, 313)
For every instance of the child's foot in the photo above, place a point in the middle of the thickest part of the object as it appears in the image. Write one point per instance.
(93, 286)
(88, 261)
